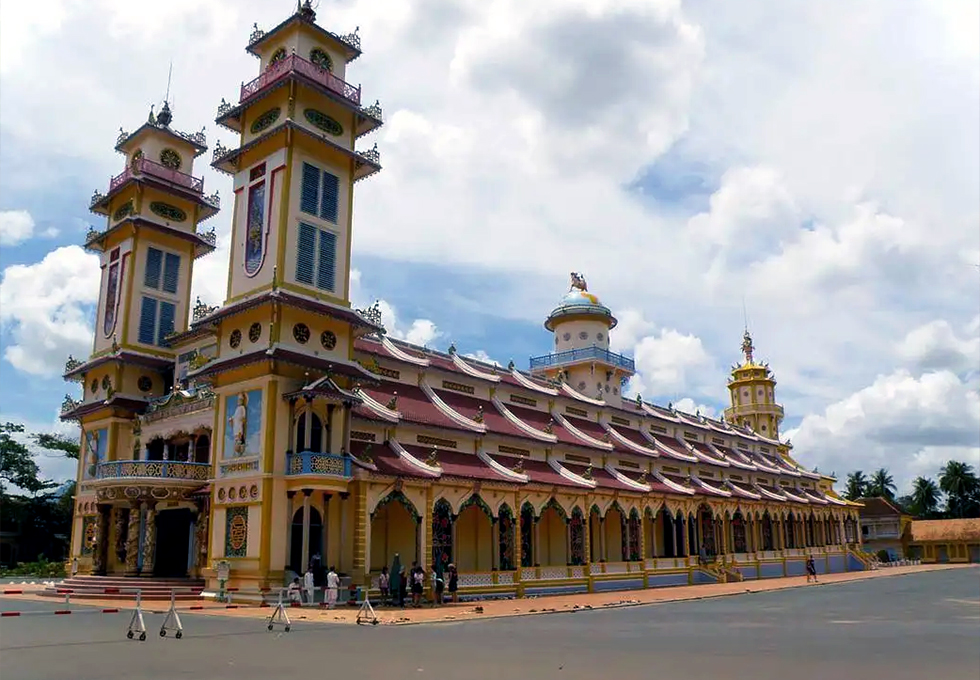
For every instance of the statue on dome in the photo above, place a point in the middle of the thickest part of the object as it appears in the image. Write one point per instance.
(578, 283)
(747, 346)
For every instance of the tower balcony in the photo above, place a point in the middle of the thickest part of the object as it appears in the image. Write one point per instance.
(755, 409)
(582, 355)
(145, 169)
(296, 65)
(317, 464)
(177, 472)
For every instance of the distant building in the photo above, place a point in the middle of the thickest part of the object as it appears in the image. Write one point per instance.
(884, 527)
(945, 540)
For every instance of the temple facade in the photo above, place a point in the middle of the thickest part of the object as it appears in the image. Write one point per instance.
(248, 439)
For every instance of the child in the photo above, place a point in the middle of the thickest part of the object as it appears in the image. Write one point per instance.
(383, 585)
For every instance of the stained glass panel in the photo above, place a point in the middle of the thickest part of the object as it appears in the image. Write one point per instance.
(634, 536)
(506, 539)
(577, 529)
(738, 533)
(527, 536)
(442, 534)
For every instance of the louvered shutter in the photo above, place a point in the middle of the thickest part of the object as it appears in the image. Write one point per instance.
(154, 262)
(148, 320)
(328, 200)
(167, 313)
(325, 261)
(305, 253)
(171, 271)
(310, 190)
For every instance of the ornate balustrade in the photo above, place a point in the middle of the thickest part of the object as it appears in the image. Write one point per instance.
(154, 469)
(294, 63)
(145, 166)
(593, 353)
(312, 463)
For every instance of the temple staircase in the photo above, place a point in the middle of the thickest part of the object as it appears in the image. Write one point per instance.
(124, 588)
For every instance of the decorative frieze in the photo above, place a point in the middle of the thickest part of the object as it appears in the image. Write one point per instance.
(575, 411)
(239, 467)
(513, 450)
(692, 436)
(457, 387)
(582, 460)
(236, 531)
(363, 436)
(659, 429)
(671, 470)
(524, 401)
(435, 441)
(629, 465)
(616, 420)
(736, 478)
(718, 440)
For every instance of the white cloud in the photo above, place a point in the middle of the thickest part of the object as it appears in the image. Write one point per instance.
(907, 424)
(936, 346)
(45, 307)
(481, 355)
(418, 332)
(52, 465)
(17, 226)
(688, 405)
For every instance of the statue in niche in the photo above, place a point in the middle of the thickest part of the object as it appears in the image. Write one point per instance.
(747, 347)
(239, 422)
(578, 283)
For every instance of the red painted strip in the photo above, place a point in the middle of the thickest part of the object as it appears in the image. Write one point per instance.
(265, 604)
(231, 606)
(112, 591)
(196, 606)
(232, 590)
(110, 611)
(62, 611)
(13, 592)
(9, 613)
(65, 591)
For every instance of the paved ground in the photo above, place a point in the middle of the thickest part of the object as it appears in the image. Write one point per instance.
(904, 626)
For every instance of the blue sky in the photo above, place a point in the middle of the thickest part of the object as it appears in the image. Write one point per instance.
(692, 160)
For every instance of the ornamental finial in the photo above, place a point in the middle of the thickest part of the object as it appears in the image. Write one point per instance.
(747, 346)
(578, 283)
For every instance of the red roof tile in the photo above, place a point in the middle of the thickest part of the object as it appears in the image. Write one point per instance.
(385, 459)
(541, 472)
(413, 405)
(456, 463)
(492, 418)
(706, 451)
(674, 447)
(596, 431)
(601, 477)
(364, 413)
(634, 436)
(734, 454)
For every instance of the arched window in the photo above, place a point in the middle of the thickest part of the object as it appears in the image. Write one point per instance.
(309, 433)
(202, 449)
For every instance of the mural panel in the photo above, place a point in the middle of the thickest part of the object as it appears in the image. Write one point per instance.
(96, 445)
(243, 424)
(236, 531)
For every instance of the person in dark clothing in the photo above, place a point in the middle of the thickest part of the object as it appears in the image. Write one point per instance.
(453, 583)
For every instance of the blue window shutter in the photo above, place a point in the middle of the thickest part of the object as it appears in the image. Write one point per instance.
(328, 202)
(171, 271)
(305, 253)
(167, 313)
(154, 262)
(148, 320)
(325, 262)
(310, 189)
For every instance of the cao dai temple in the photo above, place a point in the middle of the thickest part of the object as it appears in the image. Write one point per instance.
(285, 425)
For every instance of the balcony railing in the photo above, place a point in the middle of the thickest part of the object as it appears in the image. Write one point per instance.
(154, 469)
(593, 353)
(742, 409)
(312, 463)
(292, 63)
(144, 166)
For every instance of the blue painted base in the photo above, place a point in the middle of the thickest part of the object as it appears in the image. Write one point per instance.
(624, 584)
(667, 580)
(556, 590)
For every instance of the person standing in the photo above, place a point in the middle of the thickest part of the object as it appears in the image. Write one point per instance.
(438, 585)
(418, 584)
(402, 586)
(308, 585)
(453, 583)
(811, 569)
(384, 584)
(333, 588)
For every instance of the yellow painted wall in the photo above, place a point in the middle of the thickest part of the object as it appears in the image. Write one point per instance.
(392, 531)
(474, 549)
(554, 547)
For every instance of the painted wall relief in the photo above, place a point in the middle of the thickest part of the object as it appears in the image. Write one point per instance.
(96, 444)
(243, 424)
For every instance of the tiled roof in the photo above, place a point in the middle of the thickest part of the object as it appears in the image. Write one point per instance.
(469, 406)
(541, 472)
(936, 530)
(412, 404)
(457, 464)
(878, 507)
(601, 477)
(705, 452)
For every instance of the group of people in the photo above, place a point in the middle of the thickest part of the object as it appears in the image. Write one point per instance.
(396, 584)
(306, 592)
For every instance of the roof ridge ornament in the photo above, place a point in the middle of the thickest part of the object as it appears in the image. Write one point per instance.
(578, 283)
(747, 346)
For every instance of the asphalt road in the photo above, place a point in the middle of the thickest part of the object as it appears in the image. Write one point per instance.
(916, 626)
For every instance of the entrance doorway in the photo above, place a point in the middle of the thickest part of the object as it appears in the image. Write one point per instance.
(173, 543)
(315, 545)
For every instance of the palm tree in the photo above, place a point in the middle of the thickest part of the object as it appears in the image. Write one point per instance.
(925, 497)
(962, 489)
(882, 485)
(856, 486)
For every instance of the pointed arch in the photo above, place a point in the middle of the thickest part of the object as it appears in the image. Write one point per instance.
(442, 533)
(397, 497)
(477, 500)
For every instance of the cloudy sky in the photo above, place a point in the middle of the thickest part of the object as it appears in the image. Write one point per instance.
(818, 163)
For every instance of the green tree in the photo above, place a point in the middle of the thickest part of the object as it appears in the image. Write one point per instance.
(925, 498)
(17, 464)
(857, 484)
(881, 485)
(70, 447)
(962, 488)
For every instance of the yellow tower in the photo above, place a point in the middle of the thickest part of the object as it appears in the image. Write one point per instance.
(153, 210)
(753, 394)
(284, 371)
(581, 356)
